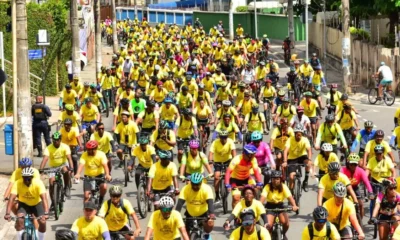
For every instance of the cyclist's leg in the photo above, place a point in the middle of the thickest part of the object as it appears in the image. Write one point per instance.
(307, 170)
(383, 228)
(181, 148)
(66, 176)
(356, 190)
(87, 188)
(217, 179)
(271, 215)
(51, 186)
(138, 173)
(102, 187)
(346, 233)
(284, 219)
(291, 169)
(38, 211)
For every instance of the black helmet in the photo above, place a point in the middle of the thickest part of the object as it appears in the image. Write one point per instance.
(124, 101)
(330, 118)
(344, 97)
(333, 167)
(276, 174)
(187, 111)
(379, 133)
(67, 121)
(320, 213)
(151, 103)
(65, 234)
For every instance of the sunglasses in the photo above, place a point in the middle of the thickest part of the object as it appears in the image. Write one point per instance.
(89, 209)
(116, 196)
(165, 210)
(100, 129)
(321, 220)
(353, 164)
(247, 224)
(27, 178)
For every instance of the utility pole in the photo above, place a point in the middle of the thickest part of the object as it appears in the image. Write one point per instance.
(255, 19)
(136, 14)
(114, 27)
(210, 6)
(346, 47)
(97, 31)
(24, 85)
(231, 30)
(76, 62)
(306, 17)
(15, 82)
(291, 21)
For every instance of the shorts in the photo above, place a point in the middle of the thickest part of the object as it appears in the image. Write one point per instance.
(85, 125)
(189, 223)
(125, 228)
(140, 169)
(313, 120)
(317, 87)
(268, 99)
(202, 122)
(346, 231)
(385, 217)
(124, 148)
(182, 143)
(171, 124)
(157, 193)
(239, 182)
(299, 160)
(386, 82)
(36, 210)
(357, 191)
(91, 185)
(53, 174)
(147, 131)
(273, 206)
(219, 165)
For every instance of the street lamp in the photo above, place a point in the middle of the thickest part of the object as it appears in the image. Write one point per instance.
(43, 40)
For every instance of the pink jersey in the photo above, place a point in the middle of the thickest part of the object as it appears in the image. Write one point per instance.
(359, 176)
(263, 155)
(388, 207)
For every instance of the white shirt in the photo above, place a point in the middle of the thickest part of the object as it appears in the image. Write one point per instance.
(386, 73)
(248, 76)
(295, 120)
(127, 66)
(68, 64)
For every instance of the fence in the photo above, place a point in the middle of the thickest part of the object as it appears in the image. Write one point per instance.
(179, 17)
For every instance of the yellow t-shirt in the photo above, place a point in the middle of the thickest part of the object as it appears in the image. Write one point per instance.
(185, 127)
(69, 138)
(69, 98)
(196, 201)
(371, 146)
(90, 230)
(288, 112)
(264, 234)
(297, 148)
(232, 129)
(327, 184)
(116, 218)
(160, 143)
(194, 164)
(118, 112)
(334, 212)
(380, 170)
(17, 175)
(144, 157)
(317, 235)
(74, 117)
(159, 96)
(261, 73)
(310, 109)
(166, 229)
(94, 164)
(396, 133)
(129, 130)
(281, 139)
(184, 101)
(57, 156)
(168, 114)
(256, 205)
(202, 113)
(231, 110)
(125, 94)
(268, 92)
(104, 142)
(208, 84)
(306, 71)
(322, 163)
(329, 134)
(149, 119)
(346, 120)
(162, 177)
(89, 114)
(241, 168)
(223, 95)
(317, 78)
(29, 195)
(246, 106)
(275, 196)
(95, 97)
(222, 153)
(255, 122)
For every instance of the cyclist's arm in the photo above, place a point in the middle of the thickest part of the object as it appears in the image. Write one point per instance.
(184, 233)
(351, 192)
(375, 212)
(60, 102)
(228, 175)
(183, 166)
(154, 158)
(393, 160)
(318, 140)
(341, 137)
(71, 164)
(8, 191)
(175, 181)
(320, 196)
(356, 225)
(44, 201)
(355, 143)
(132, 161)
(269, 156)
(365, 180)
(44, 161)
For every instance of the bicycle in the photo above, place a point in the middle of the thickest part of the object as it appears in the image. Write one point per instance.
(222, 189)
(126, 156)
(388, 96)
(267, 113)
(143, 200)
(203, 136)
(95, 189)
(58, 190)
(119, 235)
(195, 227)
(29, 232)
(109, 100)
(297, 190)
(391, 228)
(277, 228)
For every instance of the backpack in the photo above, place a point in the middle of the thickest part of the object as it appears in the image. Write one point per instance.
(251, 114)
(121, 204)
(258, 229)
(187, 155)
(158, 135)
(290, 110)
(342, 114)
(311, 230)
(181, 120)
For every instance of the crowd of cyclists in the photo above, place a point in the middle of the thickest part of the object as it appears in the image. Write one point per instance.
(191, 95)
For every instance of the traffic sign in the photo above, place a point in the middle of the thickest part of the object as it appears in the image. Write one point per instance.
(35, 54)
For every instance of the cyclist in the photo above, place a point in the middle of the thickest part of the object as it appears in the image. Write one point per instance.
(317, 77)
(267, 95)
(90, 116)
(311, 109)
(117, 211)
(106, 142)
(357, 175)
(166, 223)
(321, 228)
(71, 114)
(324, 158)
(138, 104)
(164, 138)
(148, 119)
(70, 136)
(226, 109)
(146, 155)
(95, 163)
(254, 121)
(90, 224)
(184, 99)
(286, 110)
(263, 155)
(59, 157)
(159, 93)
(363, 137)
(194, 161)
(248, 201)
(342, 213)
(248, 75)
(222, 94)
(249, 229)
(370, 148)
(209, 83)
(380, 166)
(203, 94)
(169, 112)
(297, 151)
(97, 97)
(347, 120)
(260, 72)
(162, 177)
(306, 70)
(278, 100)
(386, 206)
(333, 98)
(204, 116)
(314, 61)
(279, 137)
(245, 107)
(385, 74)
(68, 96)
(329, 132)
(123, 106)
(32, 200)
(127, 132)
(185, 129)
(238, 172)
(199, 203)
(327, 182)
(301, 119)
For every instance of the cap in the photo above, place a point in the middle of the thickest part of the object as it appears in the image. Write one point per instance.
(90, 205)
(248, 219)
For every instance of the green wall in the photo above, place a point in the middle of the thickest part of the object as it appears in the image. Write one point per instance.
(276, 26)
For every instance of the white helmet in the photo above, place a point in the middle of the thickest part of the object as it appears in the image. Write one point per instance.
(327, 147)
(27, 172)
(166, 202)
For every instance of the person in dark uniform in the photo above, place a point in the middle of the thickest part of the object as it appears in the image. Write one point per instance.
(40, 114)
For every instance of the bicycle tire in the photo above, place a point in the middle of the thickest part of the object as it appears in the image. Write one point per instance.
(224, 196)
(372, 99)
(297, 194)
(194, 236)
(61, 199)
(278, 233)
(126, 173)
(142, 200)
(112, 100)
(389, 102)
(268, 118)
(375, 231)
(107, 106)
(201, 141)
(56, 195)
(27, 236)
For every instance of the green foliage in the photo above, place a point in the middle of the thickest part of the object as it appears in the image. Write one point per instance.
(360, 33)
(242, 9)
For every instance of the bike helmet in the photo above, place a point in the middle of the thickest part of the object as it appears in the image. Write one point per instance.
(353, 158)
(242, 84)
(344, 97)
(194, 144)
(333, 167)
(248, 187)
(69, 107)
(196, 178)
(327, 147)
(56, 136)
(163, 124)
(226, 103)
(151, 103)
(143, 140)
(67, 121)
(300, 109)
(88, 100)
(262, 63)
(86, 84)
(298, 128)
(249, 149)
(188, 73)
(65, 234)
(92, 85)
(256, 136)
(223, 133)
(164, 154)
(28, 172)
(115, 190)
(330, 118)
(378, 149)
(25, 162)
(276, 174)
(389, 182)
(285, 100)
(320, 213)
(166, 202)
(308, 94)
(187, 111)
(124, 101)
(168, 100)
(247, 211)
(126, 113)
(255, 107)
(281, 93)
(292, 69)
(201, 86)
(68, 86)
(92, 144)
(339, 189)
(368, 124)
(379, 134)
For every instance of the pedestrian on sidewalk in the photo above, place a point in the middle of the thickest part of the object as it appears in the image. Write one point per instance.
(40, 114)
(69, 67)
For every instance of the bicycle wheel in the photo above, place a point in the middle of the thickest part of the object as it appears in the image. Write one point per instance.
(389, 98)
(107, 105)
(373, 95)
(194, 236)
(297, 194)
(126, 172)
(61, 199)
(278, 233)
(268, 119)
(142, 200)
(375, 231)
(26, 236)
(224, 196)
(56, 199)
(201, 141)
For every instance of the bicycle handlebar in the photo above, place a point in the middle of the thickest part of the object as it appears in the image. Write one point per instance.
(279, 209)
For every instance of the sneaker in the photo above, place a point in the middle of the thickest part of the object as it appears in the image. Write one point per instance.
(67, 191)
(217, 200)
(51, 208)
(305, 186)
(76, 181)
